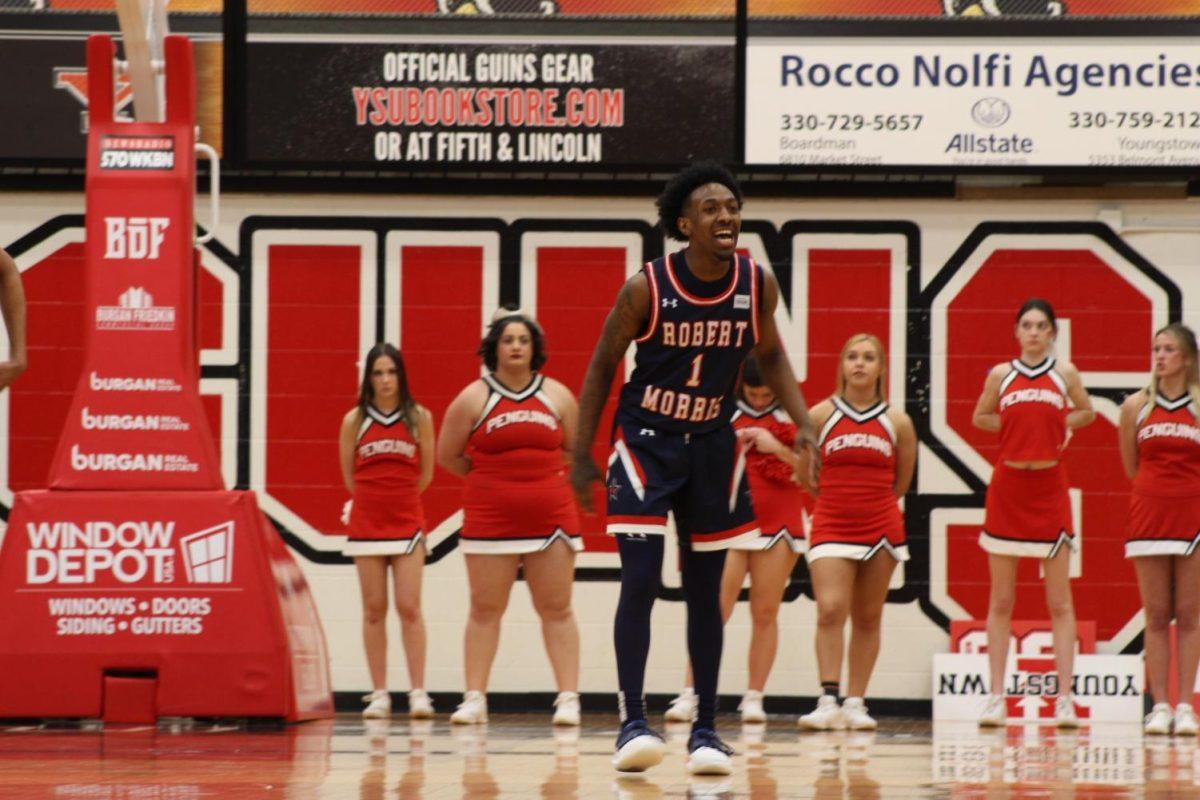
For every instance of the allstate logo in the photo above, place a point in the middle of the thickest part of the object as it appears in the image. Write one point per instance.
(991, 112)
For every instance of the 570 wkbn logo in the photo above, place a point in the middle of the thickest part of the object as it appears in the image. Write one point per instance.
(127, 552)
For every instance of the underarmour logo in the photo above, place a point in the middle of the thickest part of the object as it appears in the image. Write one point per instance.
(670, 302)
(646, 432)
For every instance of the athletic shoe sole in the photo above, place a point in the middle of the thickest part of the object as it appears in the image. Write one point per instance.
(640, 754)
(707, 761)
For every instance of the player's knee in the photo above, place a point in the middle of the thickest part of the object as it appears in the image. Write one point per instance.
(867, 621)
(553, 609)
(764, 615)
(375, 613)
(1187, 619)
(1001, 604)
(409, 611)
(1158, 618)
(486, 610)
(1060, 608)
(831, 613)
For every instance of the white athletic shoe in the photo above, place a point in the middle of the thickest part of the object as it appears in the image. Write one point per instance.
(994, 713)
(1186, 723)
(1064, 712)
(827, 716)
(707, 754)
(419, 704)
(854, 712)
(566, 709)
(472, 710)
(752, 707)
(1158, 721)
(638, 747)
(379, 705)
(683, 707)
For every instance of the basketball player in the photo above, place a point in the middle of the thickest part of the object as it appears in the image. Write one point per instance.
(768, 436)
(1033, 402)
(509, 435)
(868, 452)
(12, 306)
(695, 314)
(387, 448)
(1160, 447)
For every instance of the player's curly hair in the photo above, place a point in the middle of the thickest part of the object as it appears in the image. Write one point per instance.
(677, 191)
(491, 340)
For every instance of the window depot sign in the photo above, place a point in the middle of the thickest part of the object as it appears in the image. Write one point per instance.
(1073, 101)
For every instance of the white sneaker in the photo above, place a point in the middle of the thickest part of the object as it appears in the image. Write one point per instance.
(1064, 712)
(419, 704)
(752, 707)
(566, 709)
(379, 705)
(1186, 723)
(854, 712)
(826, 716)
(1158, 721)
(994, 713)
(707, 754)
(472, 710)
(683, 707)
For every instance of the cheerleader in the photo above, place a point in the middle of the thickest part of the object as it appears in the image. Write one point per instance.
(768, 436)
(1032, 402)
(868, 451)
(1160, 448)
(509, 434)
(386, 448)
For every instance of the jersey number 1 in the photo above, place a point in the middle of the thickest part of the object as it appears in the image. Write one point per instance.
(696, 362)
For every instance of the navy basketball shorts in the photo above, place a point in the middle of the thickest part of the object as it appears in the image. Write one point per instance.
(701, 478)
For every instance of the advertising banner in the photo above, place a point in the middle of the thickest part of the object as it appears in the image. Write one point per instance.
(195, 587)
(990, 102)
(508, 106)
(1106, 688)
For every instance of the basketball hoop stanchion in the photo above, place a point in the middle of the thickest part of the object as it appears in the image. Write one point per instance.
(137, 586)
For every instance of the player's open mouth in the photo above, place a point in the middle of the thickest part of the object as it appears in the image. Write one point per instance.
(725, 237)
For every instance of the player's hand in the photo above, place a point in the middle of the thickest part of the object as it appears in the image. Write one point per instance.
(9, 370)
(806, 447)
(761, 440)
(584, 473)
(346, 512)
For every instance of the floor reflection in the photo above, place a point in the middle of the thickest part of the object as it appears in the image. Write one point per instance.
(517, 756)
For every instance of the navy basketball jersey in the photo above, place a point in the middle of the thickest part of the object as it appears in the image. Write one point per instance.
(691, 353)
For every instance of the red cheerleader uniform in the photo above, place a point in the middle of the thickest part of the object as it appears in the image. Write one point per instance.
(1164, 509)
(517, 499)
(780, 504)
(857, 514)
(1028, 511)
(386, 518)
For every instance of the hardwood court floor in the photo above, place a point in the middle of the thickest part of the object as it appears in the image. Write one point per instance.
(521, 756)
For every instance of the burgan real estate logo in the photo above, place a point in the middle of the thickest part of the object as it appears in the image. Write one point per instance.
(135, 311)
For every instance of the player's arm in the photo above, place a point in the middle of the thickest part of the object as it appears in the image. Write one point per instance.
(986, 416)
(568, 412)
(426, 445)
(1082, 414)
(808, 471)
(777, 370)
(906, 450)
(346, 437)
(456, 429)
(625, 321)
(12, 305)
(1127, 430)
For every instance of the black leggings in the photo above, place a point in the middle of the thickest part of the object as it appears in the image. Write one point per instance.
(641, 577)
